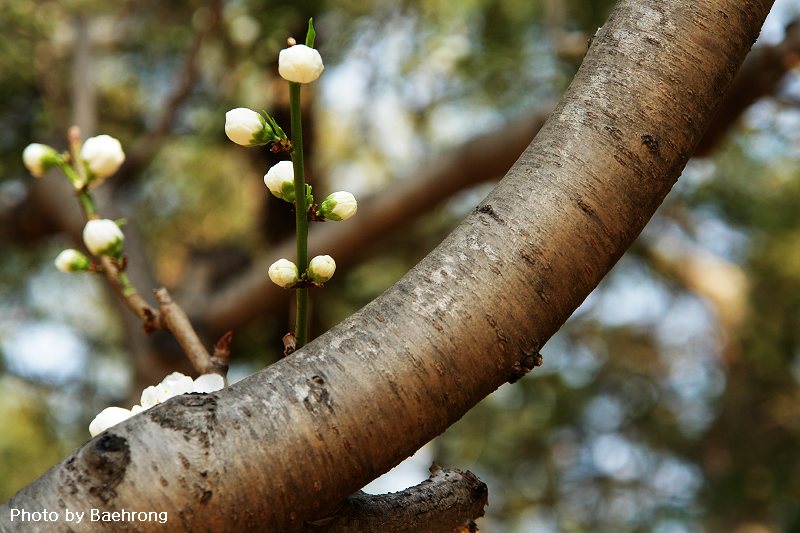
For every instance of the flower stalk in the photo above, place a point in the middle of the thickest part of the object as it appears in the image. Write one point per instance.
(301, 211)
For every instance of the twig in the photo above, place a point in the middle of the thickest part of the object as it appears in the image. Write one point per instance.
(147, 314)
(173, 319)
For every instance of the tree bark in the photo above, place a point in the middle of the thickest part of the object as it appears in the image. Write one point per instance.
(289, 444)
(447, 501)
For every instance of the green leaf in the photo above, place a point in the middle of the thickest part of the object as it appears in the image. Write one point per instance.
(311, 35)
(309, 196)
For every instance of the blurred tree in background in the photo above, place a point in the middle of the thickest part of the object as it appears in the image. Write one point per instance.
(668, 403)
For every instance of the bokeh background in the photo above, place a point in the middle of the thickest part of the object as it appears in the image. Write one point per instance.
(669, 402)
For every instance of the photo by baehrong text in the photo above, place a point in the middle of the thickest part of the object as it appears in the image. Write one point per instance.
(92, 515)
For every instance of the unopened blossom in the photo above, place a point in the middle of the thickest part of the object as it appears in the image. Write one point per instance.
(39, 158)
(172, 385)
(103, 237)
(279, 179)
(248, 128)
(72, 261)
(283, 273)
(110, 416)
(300, 64)
(321, 268)
(338, 206)
(102, 156)
(209, 383)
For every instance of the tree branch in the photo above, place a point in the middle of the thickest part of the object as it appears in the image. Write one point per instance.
(443, 503)
(290, 443)
(173, 319)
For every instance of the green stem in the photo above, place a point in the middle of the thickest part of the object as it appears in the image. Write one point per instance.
(125, 283)
(87, 204)
(301, 212)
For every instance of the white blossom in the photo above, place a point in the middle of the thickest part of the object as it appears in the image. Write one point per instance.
(300, 64)
(279, 179)
(110, 416)
(246, 127)
(102, 156)
(71, 261)
(283, 273)
(172, 385)
(338, 206)
(209, 383)
(103, 237)
(321, 268)
(39, 158)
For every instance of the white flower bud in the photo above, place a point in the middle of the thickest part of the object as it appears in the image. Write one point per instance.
(177, 383)
(172, 385)
(102, 156)
(153, 395)
(279, 179)
(283, 273)
(321, 268)
(39, 158)
(209, 383)
(247, 128)
(338, 206)
(103, 237)
(72, 261)
(110, 416)
(300, 64)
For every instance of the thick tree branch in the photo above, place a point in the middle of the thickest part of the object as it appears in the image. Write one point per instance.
(289, 444)
(443, 503)
(760, 75)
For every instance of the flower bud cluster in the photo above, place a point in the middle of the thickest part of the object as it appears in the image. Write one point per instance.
(284, 273)
(172, 385)
(101, 157)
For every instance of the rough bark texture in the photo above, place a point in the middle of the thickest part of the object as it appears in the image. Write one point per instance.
(447, 501)
(290, 443)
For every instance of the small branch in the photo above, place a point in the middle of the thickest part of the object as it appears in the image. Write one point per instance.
(450, 500)
(149, 316)
(222, 353)
(173, 319)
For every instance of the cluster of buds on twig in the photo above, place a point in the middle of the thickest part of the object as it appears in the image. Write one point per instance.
(86, 167)
(298, 64)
